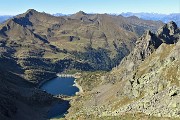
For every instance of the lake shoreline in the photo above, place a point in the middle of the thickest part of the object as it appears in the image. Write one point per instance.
(78, 86)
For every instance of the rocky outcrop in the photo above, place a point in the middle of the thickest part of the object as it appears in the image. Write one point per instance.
(167, 33)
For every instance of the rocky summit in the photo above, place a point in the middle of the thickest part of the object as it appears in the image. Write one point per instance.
(129, 66)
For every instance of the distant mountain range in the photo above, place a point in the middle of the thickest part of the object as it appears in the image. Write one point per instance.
(59, 14)
(155, 16)
(5, 17)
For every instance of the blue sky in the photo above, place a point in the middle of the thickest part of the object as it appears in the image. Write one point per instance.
(12, 7)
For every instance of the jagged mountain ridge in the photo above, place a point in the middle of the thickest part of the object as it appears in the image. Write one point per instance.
(43, 44)
(149, 42)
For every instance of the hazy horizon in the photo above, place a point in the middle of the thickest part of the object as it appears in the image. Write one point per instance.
(88, 13)
(14, 7)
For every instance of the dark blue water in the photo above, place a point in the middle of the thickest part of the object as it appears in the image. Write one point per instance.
(58, 86)
(58, 110)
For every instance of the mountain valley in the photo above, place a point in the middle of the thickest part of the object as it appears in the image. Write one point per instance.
(130, 66)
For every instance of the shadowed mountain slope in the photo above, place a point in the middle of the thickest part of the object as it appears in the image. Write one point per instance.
(20, 100)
